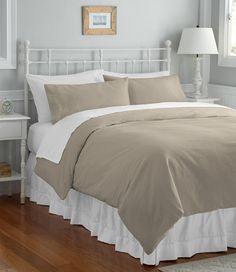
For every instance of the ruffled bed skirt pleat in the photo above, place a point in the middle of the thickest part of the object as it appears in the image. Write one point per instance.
(208, 232)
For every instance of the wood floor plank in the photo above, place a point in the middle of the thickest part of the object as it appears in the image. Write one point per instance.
(51, 252)
(25, 255)
(15, 261)
(31, 239)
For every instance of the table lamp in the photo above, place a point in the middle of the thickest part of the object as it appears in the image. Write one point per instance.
(197, 41)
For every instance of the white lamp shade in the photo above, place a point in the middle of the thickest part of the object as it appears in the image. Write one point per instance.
(197, 40)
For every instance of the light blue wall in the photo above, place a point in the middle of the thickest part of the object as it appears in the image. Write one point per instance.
(140, 23)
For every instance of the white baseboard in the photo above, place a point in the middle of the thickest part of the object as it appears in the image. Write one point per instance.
(4, 187)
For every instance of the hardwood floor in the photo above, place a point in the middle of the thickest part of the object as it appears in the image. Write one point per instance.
(33, 240)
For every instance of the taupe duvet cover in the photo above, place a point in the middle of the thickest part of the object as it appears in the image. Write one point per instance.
(155, 166)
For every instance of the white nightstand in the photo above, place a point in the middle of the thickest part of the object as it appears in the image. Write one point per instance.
(204, 100)
(14, 127)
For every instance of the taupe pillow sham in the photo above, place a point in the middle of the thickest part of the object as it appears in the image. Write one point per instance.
(154, 90)
(67, 99)
(109, 78)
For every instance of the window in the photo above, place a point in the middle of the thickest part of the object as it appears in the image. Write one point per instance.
(227, 33)
(8, 34)
(3, 28)
(232, 28)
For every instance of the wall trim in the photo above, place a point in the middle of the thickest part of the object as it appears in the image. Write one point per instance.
(18, 95)
(222, 89)
(214, 90)
(205, 21)
(188, 88)
(13, 95)
(227, 94)
(205, 13)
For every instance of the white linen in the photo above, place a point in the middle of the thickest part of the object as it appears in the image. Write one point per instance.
(207, 232)
(52, 146)
(36, 134)
(37, 82)
(138, 75)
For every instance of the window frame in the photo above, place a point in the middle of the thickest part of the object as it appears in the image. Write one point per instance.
(8, 56)
(224, 58)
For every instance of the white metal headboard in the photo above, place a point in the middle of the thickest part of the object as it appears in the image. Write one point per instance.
(147, 57)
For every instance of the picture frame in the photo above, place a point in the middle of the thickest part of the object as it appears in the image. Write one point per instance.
(99, 20)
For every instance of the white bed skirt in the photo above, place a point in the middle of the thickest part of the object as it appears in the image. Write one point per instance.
(208, 232)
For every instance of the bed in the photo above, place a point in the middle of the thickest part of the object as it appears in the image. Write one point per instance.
(203, 232)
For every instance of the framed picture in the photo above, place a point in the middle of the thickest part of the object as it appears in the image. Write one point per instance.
(99, 20)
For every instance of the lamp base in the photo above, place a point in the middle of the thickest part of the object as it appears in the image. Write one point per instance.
(197, 96)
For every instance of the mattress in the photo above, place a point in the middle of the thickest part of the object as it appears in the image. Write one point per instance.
(207, 232)
(36, 134)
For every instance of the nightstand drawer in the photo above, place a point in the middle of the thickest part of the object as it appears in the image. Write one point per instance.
(14, 127)
(10, 130)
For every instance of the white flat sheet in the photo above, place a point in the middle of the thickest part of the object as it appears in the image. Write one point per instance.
(52, 146)
(36, 134)
(207, 232)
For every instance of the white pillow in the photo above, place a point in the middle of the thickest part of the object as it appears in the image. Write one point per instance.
(37, 82)
(138, 75)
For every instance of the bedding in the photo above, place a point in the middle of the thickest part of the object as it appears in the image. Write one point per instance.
(36, 134)
(52, 149)
(155, 166)
(205, 232)
(154, 90)
(65, 100)
(145, 90)
(37, 82)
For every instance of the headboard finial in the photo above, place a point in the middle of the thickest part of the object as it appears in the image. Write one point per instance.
(168, 53)
(168, 43)
(27, 43)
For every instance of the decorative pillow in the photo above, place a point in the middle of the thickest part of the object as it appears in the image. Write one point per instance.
(112, 75)
(37, 82)
(68, 99)
(155, 90)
